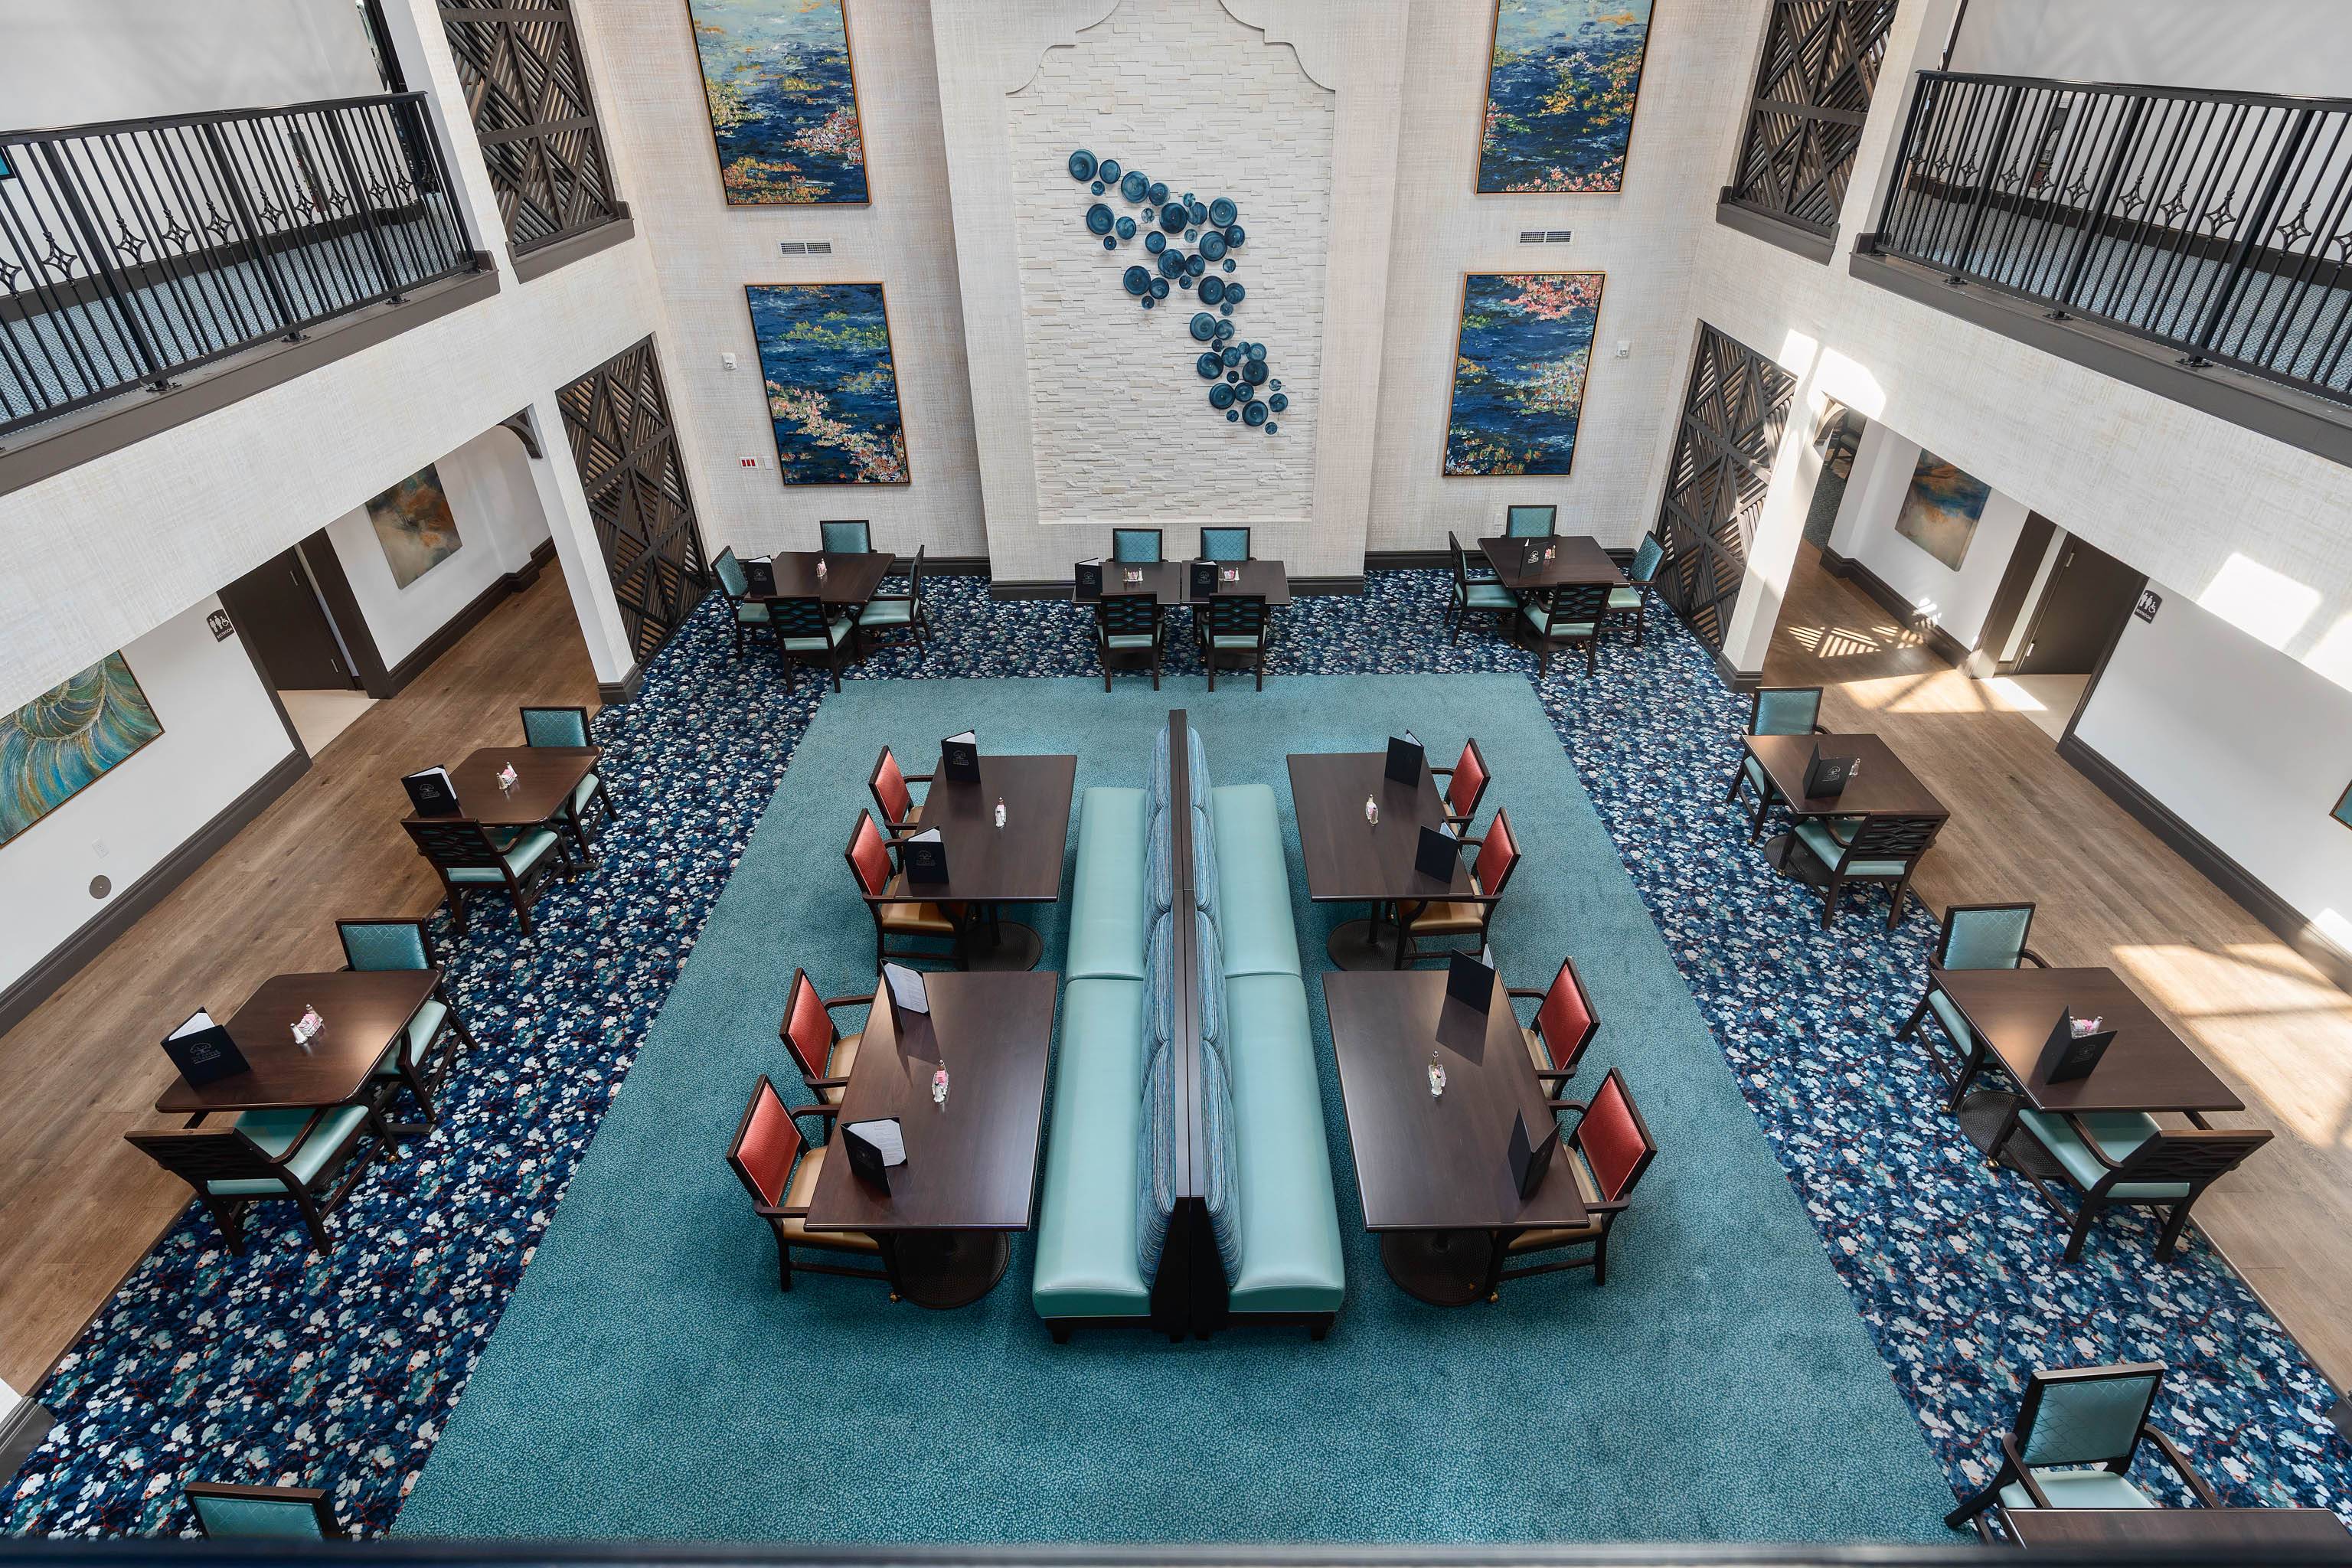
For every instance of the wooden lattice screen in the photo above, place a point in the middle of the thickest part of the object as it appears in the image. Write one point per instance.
(1812, 93)
(617, 419)
(528, 95)
(1733, 413)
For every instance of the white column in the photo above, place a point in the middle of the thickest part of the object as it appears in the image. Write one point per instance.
(1779, 527)
(573, 530)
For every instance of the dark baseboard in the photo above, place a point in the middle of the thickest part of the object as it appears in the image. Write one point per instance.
(501, 589)
(66, 959)
(1941, 643)
(1407, 561)
(1302, 586)
(998, 588)
(1732, 676)
(1758, 224)
(2216, 866)
(23, 1431)
(611, 693)
(2342, 1416)
(944, 565)
(617, 230)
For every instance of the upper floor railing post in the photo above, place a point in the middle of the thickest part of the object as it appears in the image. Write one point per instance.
(2102, 201)
(102, 268)
(360, 205)
(2257, 222)
(2000, 151)
(240, 201)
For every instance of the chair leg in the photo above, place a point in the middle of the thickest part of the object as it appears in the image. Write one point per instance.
(1763, 810)
(1592, 653)
(1738, 777)
(1902, 890)
(1911, 1028)
(1106, 664)
(1641, 615)
(1261, 669)
(229, 1214)
(2175, 1222)
(1600, 1259)
(1979, 1503)
(522, 905)
(1543, 658)
(783, 1258)
(315, 1222)
(1829, 900)
(2075, 1234)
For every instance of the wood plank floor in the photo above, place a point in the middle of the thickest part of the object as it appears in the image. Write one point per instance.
(77, 1206)
(2026, 824)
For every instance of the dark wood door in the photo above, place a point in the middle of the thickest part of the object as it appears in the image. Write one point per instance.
(2089, 594)
(1733, 413)
(617, 419)
(278, 613)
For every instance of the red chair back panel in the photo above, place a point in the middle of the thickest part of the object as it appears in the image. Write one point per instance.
(1496, 855)
(868, 854)
(1564, 1018)
(1612, 1137)
(808, 1029)
(769, 1144)
(1469, 778)
(890, 789)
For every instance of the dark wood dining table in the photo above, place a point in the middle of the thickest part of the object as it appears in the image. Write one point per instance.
(1351, 861)
(545, 777)
(1521, 565)
(1881, 783)
(988, 866)
(1433, 1172)
(1171, 582)
(849, 578)
(969, 1179)
(2210, 1532)
(365, 1010)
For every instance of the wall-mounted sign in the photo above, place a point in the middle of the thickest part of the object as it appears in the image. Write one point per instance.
(219, 622)
(2150, 601)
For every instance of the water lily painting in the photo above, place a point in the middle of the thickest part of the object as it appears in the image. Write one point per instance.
(783, 100)
(832, 390)
(1942, 508)
(65, 740)
(1519, 360)
(1561, 85)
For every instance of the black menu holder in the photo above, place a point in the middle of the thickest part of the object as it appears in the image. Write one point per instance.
(1438, 855)
(959, 758)
(1089, 578)
(1405, 758)
(205, 1054)
(1530, 1162)
(1469, 981)
(1203, 575)
(865, 1162)
(431, 793)
(2068, 1056)
(1826, 777)
(760, 579)
(925, 856)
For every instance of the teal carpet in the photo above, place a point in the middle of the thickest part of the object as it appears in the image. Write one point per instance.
(649, 1379)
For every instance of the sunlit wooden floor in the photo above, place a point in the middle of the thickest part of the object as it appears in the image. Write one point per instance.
(2026, 824)
(77, 1206)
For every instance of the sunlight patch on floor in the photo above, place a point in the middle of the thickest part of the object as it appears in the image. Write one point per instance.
(2263, 1011)
(1850, 642)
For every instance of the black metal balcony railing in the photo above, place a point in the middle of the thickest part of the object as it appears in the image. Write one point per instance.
(134, 250)
(2218, 223)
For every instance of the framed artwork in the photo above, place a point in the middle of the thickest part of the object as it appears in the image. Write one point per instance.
(832, 390)
(65, 740)
(414, 526)
(1519, 360)
(1561, 80)
(784, 101)
(1941, 510)
(2343, 812)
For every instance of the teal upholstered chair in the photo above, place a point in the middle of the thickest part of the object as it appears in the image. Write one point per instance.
(1975, 936)
(1632, 603)
(1135, 546)
(1530, 522)
(1778, 710)
(809, 630)
(1131, 626)
(1883, 847)
(568, 727)
(1476, 592)
(852, 537)
(899, 612)
(2076, 1434)
(1233, 627)
(420, 1059)
(312, 1159)
(262, 1513)
(2124, 1160)
(468, 860)
(749, 613)
(1226, 543)
(1566, 613)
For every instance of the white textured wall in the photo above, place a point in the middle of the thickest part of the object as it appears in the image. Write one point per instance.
(76, 62)
(2247, 46)
(1120, 418)
(1956, 601)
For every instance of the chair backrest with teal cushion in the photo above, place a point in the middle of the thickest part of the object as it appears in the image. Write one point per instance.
(1237, 615)
(1135, 544)
(1892, 838)
(1529, 522)
(555, 727)
(386, 944)
(845, 538)
(797, 618)
(1984, 936)
(1646, 558)
(261, 1513)
(2086, 1416)
(1127, 614)
(1786, 711)
(1576, 604)
(1224, 545)
(731, 573)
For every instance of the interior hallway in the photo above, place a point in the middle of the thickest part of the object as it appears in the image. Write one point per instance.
(2026, 824)
(78, 1206)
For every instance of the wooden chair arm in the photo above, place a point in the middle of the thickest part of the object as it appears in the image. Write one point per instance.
(2090, 1143)
(1575, 1105)
(918, 778)
(2018, 1466)
(819, 1108)
(827, 1082)
(2179, 1461)
(1520, 990)
(830, 1003)
(766, 1212)
(2034, 958)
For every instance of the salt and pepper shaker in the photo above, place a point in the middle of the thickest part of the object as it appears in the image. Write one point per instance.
(1372, 810)
(1000, 813)
(1436, 1075)
(940, 1087)
(820, 566)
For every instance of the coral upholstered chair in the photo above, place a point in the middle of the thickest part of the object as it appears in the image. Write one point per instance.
(892, 796)
(823, 1053)
(1607, 1152)
(1473, 917)
(896, 912)
(1465, 783)
(778, 1168)
(1564, 1026)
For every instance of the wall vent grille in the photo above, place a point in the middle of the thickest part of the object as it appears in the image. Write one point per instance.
(806, 247)
(1546, 235)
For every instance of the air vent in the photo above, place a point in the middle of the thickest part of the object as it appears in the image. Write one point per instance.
(1546, 235)
(806, 247)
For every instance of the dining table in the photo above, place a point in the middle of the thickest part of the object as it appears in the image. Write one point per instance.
(1355, 856)
(1528, 564)
(1879, 784)
(545, 780)
(849, 579)
(988, 866)
(1171, 582)
(364, 1012)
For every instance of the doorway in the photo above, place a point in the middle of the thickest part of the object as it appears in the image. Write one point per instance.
(2068, 630)
(277, 609)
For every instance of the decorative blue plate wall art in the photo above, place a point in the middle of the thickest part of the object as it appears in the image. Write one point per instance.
(1212, 229)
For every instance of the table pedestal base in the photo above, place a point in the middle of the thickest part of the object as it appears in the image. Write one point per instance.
(1788, 855)
(1364, 944)
(1981, 1117)
(1002, 945)
(944, 1270)
(1442, 1268)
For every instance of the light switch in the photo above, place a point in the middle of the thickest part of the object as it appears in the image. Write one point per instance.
(98, 847)
(1625, 349)
(726, 362)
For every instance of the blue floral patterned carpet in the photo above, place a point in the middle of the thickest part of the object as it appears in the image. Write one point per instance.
(342, 1371)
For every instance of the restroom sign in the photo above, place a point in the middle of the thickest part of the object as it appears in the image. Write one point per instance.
(2149, 602)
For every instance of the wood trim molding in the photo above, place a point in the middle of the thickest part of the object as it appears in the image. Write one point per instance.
(1307, 586)
(26, 1425)
(1941, 643)
(326, 570)
(1758, 224)
(1732, 676)
(2250, 891)
(66, 960)
(499, 590)
(613, 693)
(1407, 561)
(538, 263)
(2009, 599)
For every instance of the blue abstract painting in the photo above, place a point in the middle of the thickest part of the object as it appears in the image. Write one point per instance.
(1519, 362)
(783, 100)
(832, 390)
(1560, 87)
(65, 740)
(1942, 508)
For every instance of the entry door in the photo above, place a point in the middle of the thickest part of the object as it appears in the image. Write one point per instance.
(2089, 594)
(278, 613)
